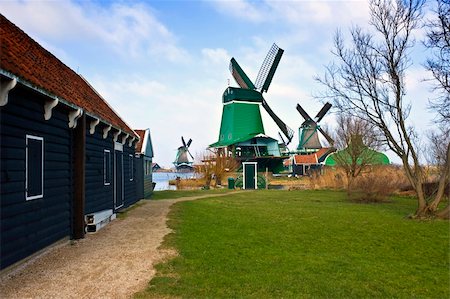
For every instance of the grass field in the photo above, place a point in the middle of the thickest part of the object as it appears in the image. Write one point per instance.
(302, 244)
(157, 195)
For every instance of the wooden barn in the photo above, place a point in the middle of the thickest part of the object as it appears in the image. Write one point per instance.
(66, 156)
(305, 164)
(144, 171)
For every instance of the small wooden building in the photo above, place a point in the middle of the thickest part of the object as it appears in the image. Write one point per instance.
(65, 153)
(144, 171)
(155, 167)
(305, 164)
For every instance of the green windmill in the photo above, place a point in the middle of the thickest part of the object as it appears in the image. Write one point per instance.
(241, 131)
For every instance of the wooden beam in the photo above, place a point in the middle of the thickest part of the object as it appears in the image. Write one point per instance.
(94, 123)
(48, 107)
(124, 138)
(116, 135)
(5, 87)
(79, 178)
(73, 117)
(106, 130)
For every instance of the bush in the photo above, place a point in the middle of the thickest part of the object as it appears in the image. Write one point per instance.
(378, 184)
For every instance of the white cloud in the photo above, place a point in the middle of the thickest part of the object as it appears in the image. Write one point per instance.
(216, 56)
(302, 13)
(241, 9)
(131, 30)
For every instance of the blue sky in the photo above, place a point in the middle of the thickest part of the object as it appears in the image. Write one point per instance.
(163, 65)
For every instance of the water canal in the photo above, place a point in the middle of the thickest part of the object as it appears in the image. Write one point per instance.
(162, 179)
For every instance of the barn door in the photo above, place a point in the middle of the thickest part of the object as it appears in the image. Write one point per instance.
(118, 176)
(250, 175)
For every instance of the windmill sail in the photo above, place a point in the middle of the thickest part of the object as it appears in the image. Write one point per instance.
(239, 75)
(322, 112)
(303, 113)
(268, 68)
(327, 137)
(288, 132)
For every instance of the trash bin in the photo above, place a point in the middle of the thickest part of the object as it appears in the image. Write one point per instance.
(230, 183)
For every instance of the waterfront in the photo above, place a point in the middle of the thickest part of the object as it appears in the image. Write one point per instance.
(162, 179)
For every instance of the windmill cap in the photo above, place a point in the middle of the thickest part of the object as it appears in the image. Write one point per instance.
(243, 95)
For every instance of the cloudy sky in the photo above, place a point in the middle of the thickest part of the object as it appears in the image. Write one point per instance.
(163, 65)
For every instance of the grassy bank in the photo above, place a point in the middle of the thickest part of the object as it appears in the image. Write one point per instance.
(273, 244)
(166, 194)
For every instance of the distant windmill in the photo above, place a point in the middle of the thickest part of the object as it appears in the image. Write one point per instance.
(182, 161)
(309, 138)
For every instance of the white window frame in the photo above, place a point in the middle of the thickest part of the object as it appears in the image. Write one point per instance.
(26, 167)
(131, 166)
(256, 173)
(105, 183)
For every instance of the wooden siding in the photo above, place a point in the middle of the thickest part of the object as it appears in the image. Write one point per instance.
(148, 187)
(28, 226)
(98, 195)
(139, 163)
(148, 180)
(129, 186)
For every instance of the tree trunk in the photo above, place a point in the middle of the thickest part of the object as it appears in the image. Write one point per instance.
(350, 180)
(445, 213)
(443, 181)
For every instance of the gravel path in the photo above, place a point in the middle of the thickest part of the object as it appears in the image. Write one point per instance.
(115, 262)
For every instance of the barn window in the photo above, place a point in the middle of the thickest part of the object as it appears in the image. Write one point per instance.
(107, 167)
(131, 166)
(34, 172)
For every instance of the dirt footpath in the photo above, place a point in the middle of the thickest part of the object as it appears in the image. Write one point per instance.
(115, 262)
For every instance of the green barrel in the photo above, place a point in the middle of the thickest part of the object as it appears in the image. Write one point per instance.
(230, 183)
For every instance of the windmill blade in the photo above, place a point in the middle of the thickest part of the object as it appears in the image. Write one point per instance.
(282, 139)
(283, 127)
(238, 74)
(268, 68)
(182, 140)
(325, 134)
(303, 112)
(190, 155)
(189, 142)
(322, 112)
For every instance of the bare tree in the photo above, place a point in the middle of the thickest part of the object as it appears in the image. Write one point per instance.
(438, 41)
(215, 165)
(355, 139)
(369, 83)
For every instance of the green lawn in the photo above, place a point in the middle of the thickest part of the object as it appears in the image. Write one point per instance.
(302, 244)
(166, 194)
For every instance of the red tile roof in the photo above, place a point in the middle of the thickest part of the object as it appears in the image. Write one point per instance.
(322, 151)
(141, 134)
(29, 61)
(306, 159)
